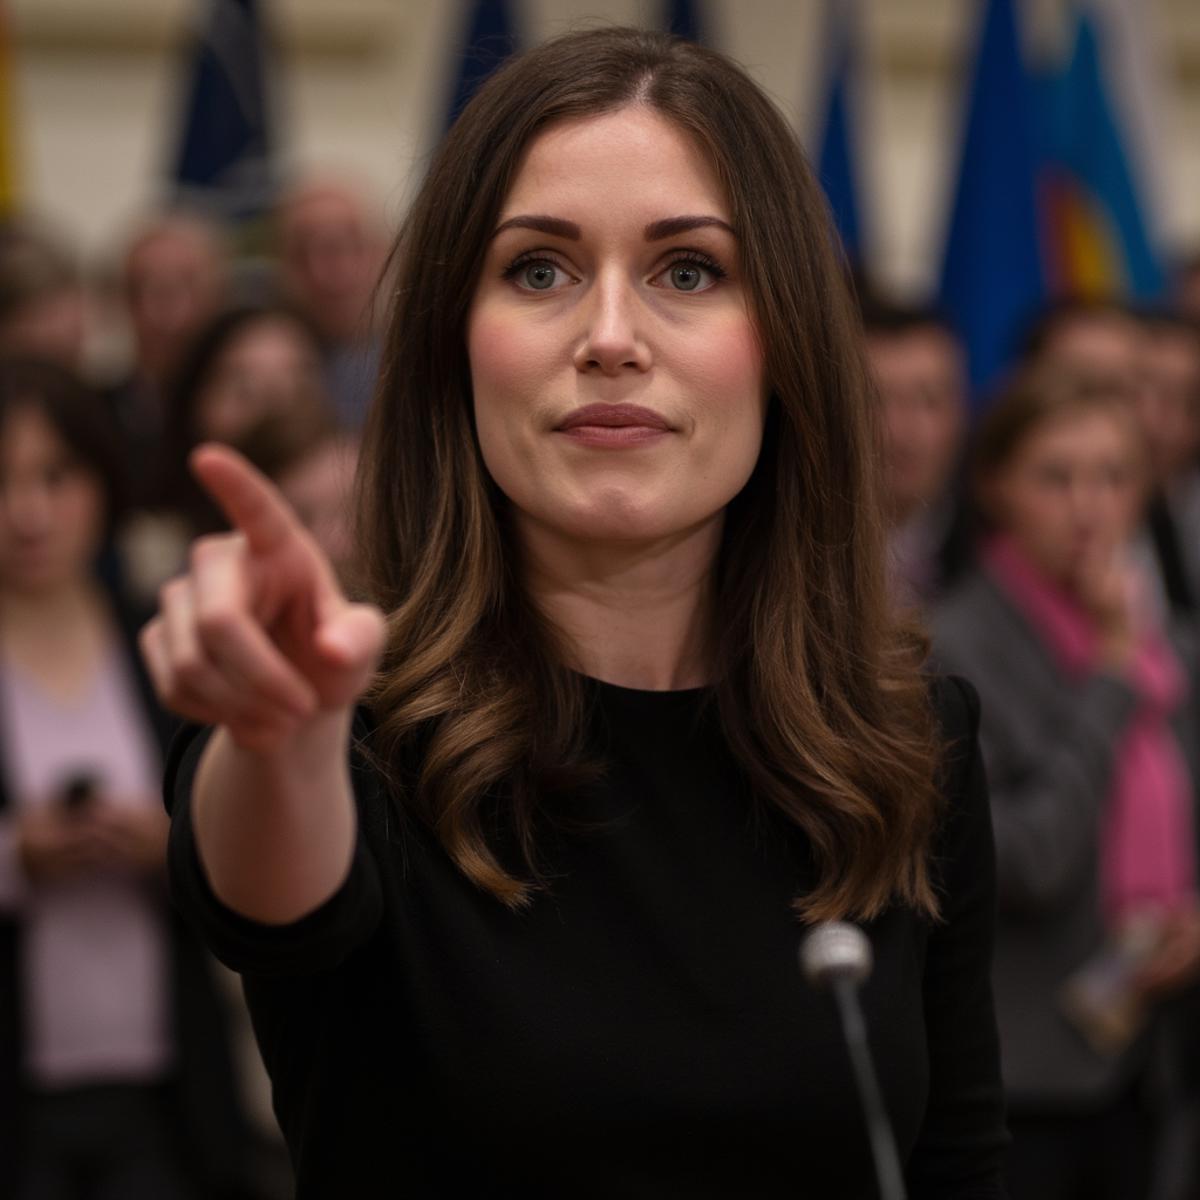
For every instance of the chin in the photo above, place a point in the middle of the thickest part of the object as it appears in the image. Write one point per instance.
(622, 517)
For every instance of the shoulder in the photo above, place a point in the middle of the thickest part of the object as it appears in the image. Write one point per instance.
(978, 631)
(956, 708)
(965, 824)
(957, 615)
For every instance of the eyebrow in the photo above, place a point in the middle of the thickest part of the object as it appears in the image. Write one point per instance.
(671, 226)
(656, 231)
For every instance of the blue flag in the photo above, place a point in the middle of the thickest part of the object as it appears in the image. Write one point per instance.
(1100, 241)
(223, 163)
(835, 164)
(992, 278)
(490, 39)
(683, 19)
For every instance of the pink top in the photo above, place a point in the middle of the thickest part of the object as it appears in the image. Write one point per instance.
(93, 968)
(1147, 853)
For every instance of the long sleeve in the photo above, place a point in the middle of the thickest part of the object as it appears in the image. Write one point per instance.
(959, 1152)
(317, 942)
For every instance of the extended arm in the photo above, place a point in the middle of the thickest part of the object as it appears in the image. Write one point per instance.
(258, 640)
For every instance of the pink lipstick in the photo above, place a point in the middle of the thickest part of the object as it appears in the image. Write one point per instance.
(614, 425)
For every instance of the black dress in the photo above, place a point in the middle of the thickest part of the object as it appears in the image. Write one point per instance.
(643, 1029)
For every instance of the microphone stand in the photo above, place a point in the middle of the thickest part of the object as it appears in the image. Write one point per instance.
(837, 956)
(879, 1130)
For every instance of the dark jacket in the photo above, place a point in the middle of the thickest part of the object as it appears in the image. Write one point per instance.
(1049, 745)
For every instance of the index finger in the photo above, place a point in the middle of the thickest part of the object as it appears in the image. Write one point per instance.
(246, 496)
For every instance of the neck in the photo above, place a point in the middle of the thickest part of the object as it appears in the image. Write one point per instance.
(53, 608)
(634, 614)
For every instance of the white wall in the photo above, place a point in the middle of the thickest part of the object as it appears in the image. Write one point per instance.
(363, 87)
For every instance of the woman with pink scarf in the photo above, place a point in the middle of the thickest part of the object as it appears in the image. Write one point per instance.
(1089, 730)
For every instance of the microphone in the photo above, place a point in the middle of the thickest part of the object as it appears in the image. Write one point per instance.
(837, 956)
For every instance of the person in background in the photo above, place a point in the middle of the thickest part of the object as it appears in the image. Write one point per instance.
(919, 371)
(331, 255)
(115, 1078)
(43, 303)
(312, 463)
(1108, 342)
(246, 364)
(1187, 286)
(1089, 737)
(1102, 339)
(1168, 404)
(174, 280)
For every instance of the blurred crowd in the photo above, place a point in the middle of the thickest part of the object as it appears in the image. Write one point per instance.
(127, 1064)
(1048, 535)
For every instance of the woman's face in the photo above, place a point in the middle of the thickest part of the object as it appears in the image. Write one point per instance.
(269, 366)
(51, 507)
(1071, 494)
(618, 380)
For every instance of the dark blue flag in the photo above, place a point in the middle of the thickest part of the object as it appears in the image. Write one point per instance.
(992, 278)
(682, 18)
(836, 163)
(223, 163)
(490, 39)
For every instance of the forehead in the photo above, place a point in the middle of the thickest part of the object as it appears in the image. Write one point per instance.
(629, 163)
(28, 429)
(172, 245)
(1083, 431)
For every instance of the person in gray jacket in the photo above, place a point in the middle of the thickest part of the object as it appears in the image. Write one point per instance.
(1089, 737)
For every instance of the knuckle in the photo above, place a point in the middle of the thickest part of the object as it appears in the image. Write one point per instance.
(212, 546)
(148, 637)
(217, 622)
(189, 670)
(171, 592)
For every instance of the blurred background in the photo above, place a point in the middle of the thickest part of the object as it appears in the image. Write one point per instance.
(97, 92)
(196, 200)
(109, 112)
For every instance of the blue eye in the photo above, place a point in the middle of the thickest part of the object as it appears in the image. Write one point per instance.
(538, 275)
(535, 274)
(685, 277)
(694, 273)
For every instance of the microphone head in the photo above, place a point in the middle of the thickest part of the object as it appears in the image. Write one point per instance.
(835, 950)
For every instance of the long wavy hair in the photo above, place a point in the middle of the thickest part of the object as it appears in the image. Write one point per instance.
(818, 689)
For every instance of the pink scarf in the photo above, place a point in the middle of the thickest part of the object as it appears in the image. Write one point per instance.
(1147, 851)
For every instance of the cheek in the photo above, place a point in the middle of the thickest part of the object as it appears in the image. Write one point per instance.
(507, 358)
(727, 375)
(512, 374)
(496, 367)
(84, 514)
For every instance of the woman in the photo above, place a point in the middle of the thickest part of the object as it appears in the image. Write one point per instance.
(638, 704)
(312, 462)
(114, 1078)
(249, 364)
(1089, 738)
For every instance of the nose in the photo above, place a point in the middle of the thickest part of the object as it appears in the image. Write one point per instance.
(613, 338)
(27, 508)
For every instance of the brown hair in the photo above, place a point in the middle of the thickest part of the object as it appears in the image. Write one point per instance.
(78, 416)
(283, 440)
(819, 694)
(1033, 398)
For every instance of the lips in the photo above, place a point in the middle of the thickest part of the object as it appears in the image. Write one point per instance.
(614, 416)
